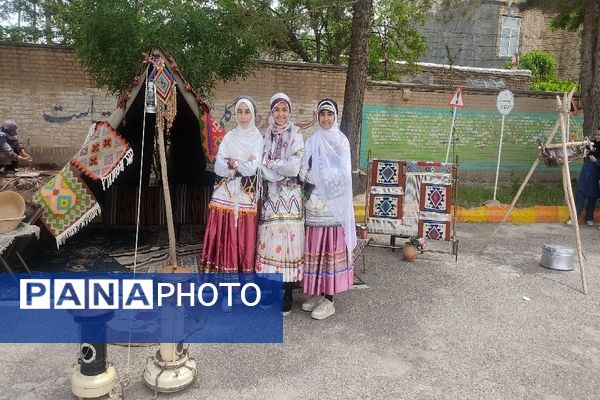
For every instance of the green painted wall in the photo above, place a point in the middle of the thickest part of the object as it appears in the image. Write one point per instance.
(422, 134)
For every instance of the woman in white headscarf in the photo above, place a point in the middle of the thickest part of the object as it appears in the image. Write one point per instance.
(281, 230)
(330, 226)
(230, 236)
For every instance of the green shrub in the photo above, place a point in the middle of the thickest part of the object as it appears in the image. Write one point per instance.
(543, 72)
(555, 85)
(541, 64)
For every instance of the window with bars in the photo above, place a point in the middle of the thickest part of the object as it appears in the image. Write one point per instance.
(509, 37)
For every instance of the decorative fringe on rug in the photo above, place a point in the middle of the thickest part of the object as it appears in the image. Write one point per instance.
(82, 222)
(91, 131)
(110, 178)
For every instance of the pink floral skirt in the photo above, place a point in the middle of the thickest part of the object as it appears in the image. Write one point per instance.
(227, 248)
(327, 268)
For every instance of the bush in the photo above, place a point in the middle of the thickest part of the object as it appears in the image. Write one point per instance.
(543, 72)
(541, 64)
(555, 85)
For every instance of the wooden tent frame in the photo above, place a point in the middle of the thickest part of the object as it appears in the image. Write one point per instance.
(561, 122)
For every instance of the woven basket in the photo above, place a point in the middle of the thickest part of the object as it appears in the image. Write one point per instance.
(12, 210)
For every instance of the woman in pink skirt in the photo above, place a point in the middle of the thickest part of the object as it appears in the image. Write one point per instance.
(329, 214)
(230, 236)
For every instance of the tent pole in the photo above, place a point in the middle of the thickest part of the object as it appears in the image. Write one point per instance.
(570, 197)
(167, 195)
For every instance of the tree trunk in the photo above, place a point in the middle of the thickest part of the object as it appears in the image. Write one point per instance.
(356, 81)
(590, 67)
(48, 25)
(296, 47)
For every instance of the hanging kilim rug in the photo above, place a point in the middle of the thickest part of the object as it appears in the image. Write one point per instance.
(104, 155)
(68, 204)
(212, 135)
(166, 93)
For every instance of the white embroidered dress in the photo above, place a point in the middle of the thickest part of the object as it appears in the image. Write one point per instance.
(281, 231)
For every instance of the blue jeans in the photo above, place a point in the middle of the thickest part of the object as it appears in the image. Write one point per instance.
(591, 205)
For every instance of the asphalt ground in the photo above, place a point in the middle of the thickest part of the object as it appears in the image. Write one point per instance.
(493, 325)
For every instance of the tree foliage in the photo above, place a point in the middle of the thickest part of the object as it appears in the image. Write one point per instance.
(306, 30)
(583, 16)
(32, 21)
(207, 39)
(320, 31)
(396, 36)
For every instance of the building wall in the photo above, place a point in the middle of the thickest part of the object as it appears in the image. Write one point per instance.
(564, 45)
(471, 37)
(54, 102)
(464, 36)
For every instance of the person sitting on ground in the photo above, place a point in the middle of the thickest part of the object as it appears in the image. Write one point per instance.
(587, 184)
(11, 150)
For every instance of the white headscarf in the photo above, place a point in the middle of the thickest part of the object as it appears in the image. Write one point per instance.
(332, 173)
(276, 99)
(243, 140)
(286, 132)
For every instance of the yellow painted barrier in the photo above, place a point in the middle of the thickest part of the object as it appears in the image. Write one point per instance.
(495, 213)
(523, 215)
(563, 213)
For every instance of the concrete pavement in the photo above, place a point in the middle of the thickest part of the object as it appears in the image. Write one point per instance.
(494, 325)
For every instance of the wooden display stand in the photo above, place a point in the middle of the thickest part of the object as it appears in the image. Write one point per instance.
(390, 216)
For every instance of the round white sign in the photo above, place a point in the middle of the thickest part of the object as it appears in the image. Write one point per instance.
(505, 102)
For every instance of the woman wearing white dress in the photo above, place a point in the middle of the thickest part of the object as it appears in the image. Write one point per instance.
(329, 213)
(230, 236)
(281, 229)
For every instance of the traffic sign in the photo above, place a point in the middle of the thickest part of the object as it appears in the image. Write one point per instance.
(505, 102)
(457, 99)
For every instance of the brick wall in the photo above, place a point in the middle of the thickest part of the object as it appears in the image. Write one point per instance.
(537, 35)
(445, 75)
(39, 81)
(53, 100)
(304, 83)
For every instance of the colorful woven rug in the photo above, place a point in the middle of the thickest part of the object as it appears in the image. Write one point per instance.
(166, 94)
(387, 173)
(150, 259)
(407, 198)
(385, 206)
(435, 198)
(434, 230)
(212, 135)
(68, 204)
(104, 155)
(429, 167)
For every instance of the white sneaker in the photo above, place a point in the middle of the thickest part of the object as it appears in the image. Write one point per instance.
(324, 309)
(569, 222)
(312, 303)
(589, 223)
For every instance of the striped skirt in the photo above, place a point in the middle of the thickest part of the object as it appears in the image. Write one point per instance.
(227, 248)
(327, 268)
